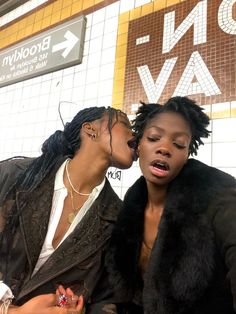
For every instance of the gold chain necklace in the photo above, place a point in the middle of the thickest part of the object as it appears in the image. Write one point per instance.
(72, 215)
(73, 188)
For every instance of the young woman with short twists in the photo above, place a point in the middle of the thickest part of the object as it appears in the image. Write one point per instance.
(56, 216)
(173, 248)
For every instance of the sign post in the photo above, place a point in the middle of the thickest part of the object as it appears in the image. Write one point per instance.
(52, 50)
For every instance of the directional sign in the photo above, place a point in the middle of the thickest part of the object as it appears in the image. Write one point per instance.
(49, 51)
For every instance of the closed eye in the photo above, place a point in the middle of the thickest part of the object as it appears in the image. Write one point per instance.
(180, 146)
(153, 139)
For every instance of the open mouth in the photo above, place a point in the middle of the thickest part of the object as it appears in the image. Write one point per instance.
(161, 165)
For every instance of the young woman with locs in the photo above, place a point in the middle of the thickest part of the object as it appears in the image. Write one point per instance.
(56, 216)
(173, 248)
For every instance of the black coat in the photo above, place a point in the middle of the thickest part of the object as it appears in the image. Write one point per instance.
(78, 262)
(192, 266)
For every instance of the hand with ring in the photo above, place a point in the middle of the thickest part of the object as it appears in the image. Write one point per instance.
(67, 299)
(63, 302)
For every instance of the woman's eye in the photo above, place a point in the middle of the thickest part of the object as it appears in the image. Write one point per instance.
(153, 138)
(180, 146)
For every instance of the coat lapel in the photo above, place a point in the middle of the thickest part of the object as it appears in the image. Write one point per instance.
(34, 220)
(88, 237)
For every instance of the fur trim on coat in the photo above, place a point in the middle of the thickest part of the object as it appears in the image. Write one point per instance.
(182, 264)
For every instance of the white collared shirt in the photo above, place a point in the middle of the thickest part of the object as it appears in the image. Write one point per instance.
(59, 195)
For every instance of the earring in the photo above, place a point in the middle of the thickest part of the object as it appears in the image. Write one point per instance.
(94, 135)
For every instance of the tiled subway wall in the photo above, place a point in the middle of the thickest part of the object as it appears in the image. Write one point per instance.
(134, 50)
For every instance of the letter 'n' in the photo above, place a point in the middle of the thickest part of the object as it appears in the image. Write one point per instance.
(197, 17)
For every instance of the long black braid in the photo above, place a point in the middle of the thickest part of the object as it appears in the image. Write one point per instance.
(187, 108)
(63, 143)
(59, 144)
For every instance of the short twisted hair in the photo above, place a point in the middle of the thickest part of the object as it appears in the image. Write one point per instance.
(187, 108)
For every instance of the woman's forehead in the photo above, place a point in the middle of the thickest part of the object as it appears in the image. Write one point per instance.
(117, 116)
(171, 120)
(120, 116)
(168, 116)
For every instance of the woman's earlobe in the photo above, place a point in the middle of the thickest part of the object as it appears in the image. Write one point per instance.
(88, 129)
(94, 136)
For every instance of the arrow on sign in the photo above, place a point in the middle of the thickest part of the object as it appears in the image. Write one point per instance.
(68, 44)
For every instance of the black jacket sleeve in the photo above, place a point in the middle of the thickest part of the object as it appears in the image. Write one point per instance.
(10, 171)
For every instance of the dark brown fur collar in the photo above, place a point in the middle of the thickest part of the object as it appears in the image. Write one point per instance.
(181, 265)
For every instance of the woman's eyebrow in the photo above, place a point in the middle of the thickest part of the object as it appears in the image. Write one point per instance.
(177, 133)
(181, 133)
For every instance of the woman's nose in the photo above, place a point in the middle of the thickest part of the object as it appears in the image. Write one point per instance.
(164, 151)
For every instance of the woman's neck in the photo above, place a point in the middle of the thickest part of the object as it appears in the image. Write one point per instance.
(156, 196)
(85, 172)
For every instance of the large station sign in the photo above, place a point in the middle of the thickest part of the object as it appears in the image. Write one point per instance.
(54, 49)
(188, 49)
